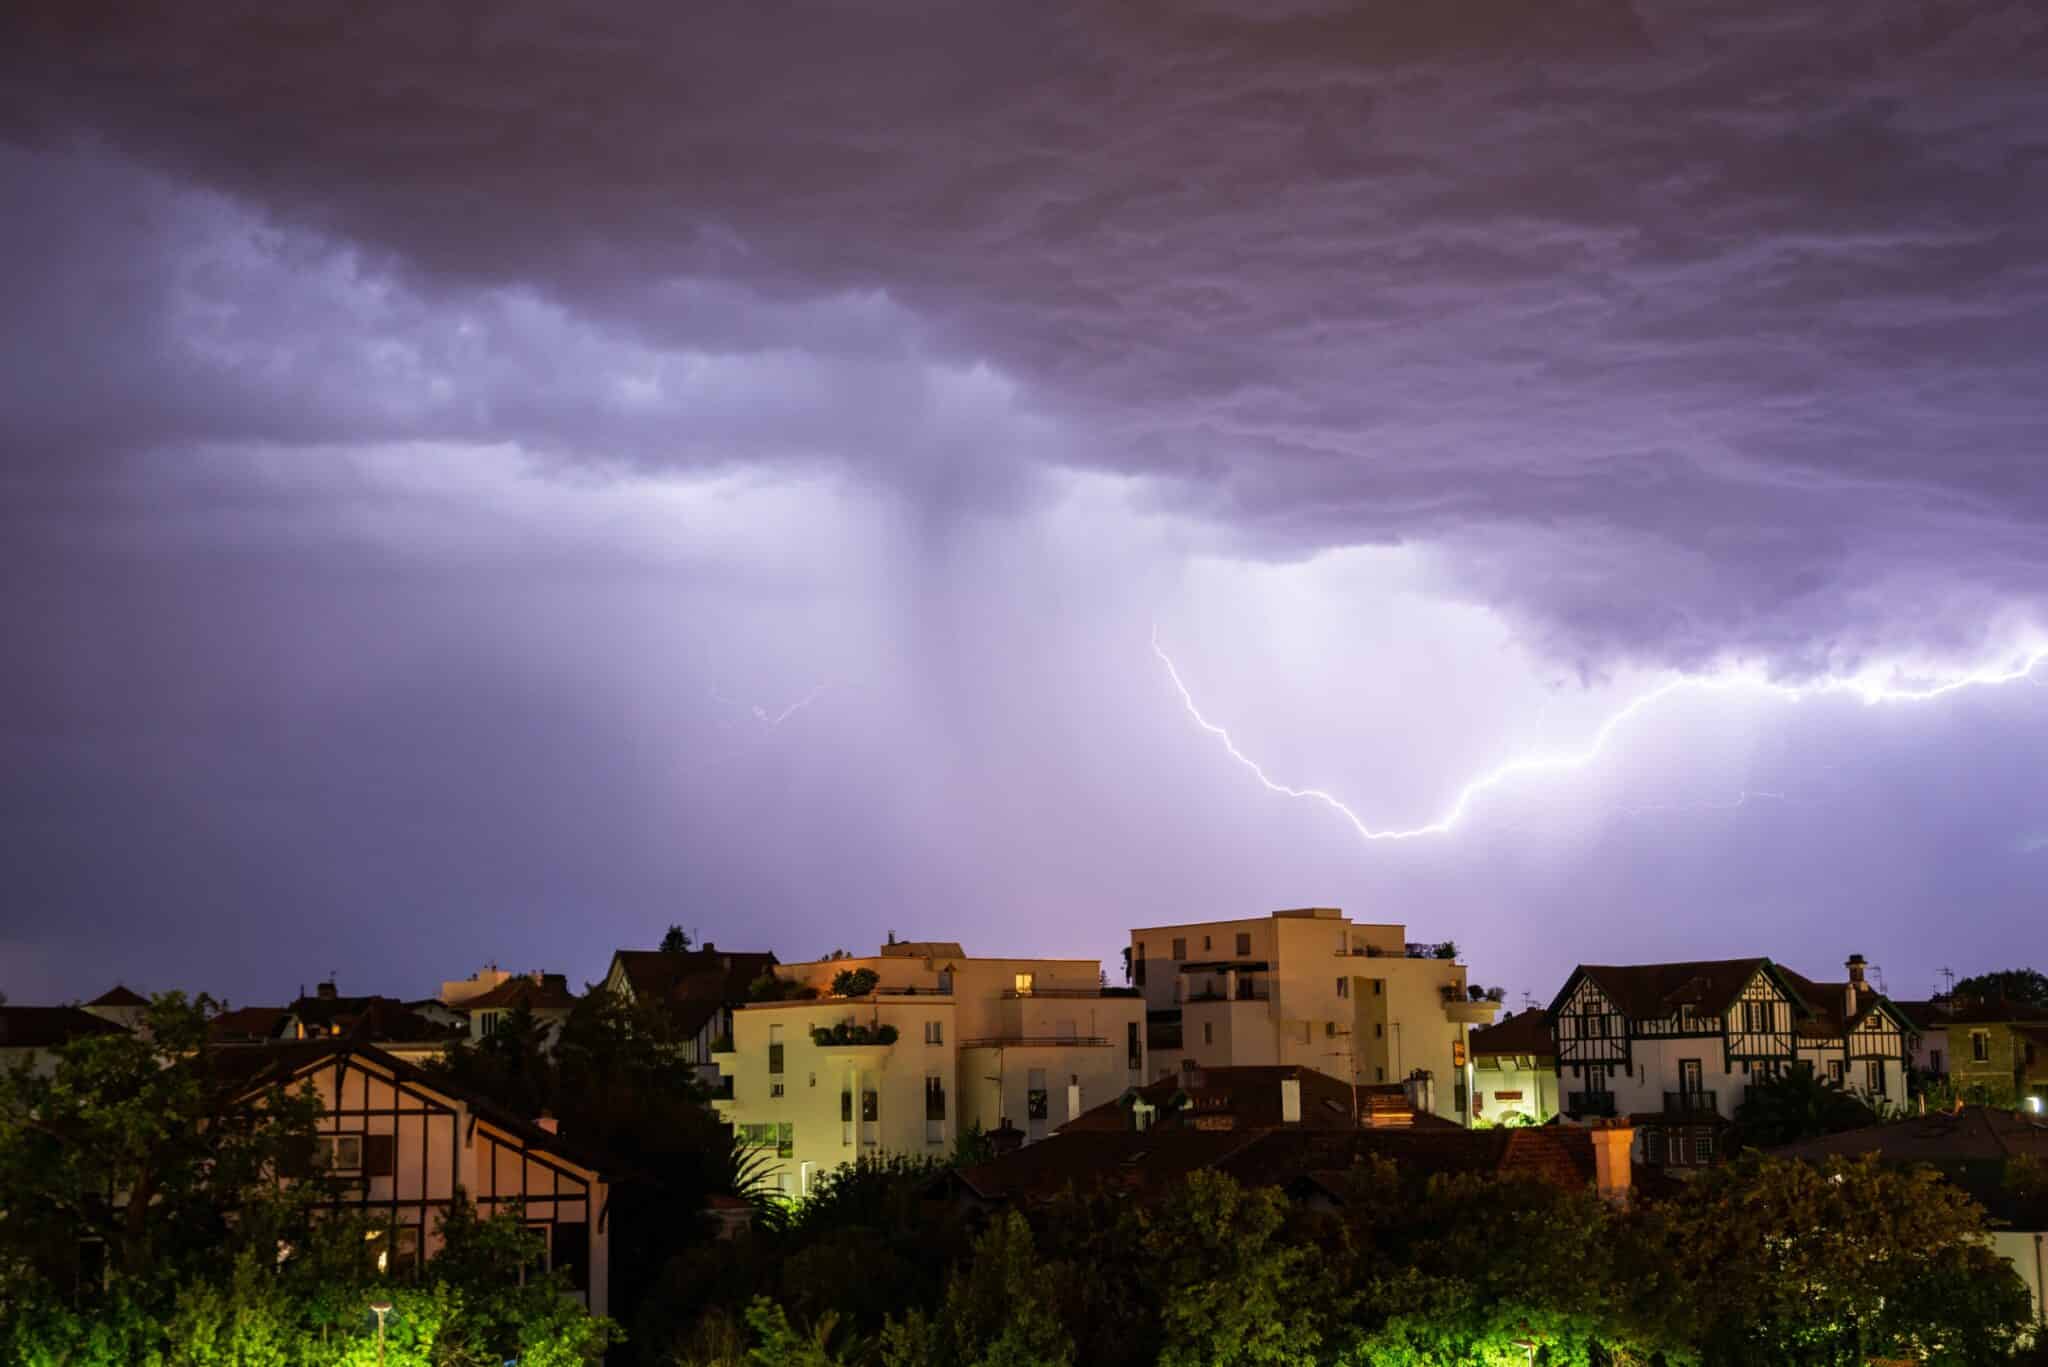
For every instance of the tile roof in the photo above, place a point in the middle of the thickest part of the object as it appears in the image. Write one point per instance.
(1524, 1032)
(1239, 1097)
(1650, 991)
(1970, 1133)
(692, 975)
(371, 1020)
(923, 949)
(551, 993)
(46, 1027)
(248, 1024)
(1924, 1015)
(118, 995)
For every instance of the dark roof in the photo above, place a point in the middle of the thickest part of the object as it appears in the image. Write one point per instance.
(1924, 1015)
(551, 993)
(693, 985)
(1133, 1161)
(1238, 1098)
(251, 1068)
(1827, 1000)
(922, 949)
(1649, 991)
(371, 1020)
(46, 1027)
(1966, 1012)
(248, 1023)
(1525, 1032)
(117, 995)
(1973, 1132)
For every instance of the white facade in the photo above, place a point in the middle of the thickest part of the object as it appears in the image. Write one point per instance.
(1314, 988)
(403, 1147)
(1030, 1043)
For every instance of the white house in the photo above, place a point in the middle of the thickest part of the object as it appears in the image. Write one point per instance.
(1675, 1046)
(404, 1143)
(1514, 1069)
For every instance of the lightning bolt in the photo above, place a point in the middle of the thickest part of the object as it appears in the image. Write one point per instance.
(768, 719)
(1869, 690)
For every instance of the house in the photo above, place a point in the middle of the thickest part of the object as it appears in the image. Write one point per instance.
(698, 989)
(932, 1040)
(252, 1025)
(545, 996)
(1674, 1046)
(1311, 988)
(1927, 1042)
(30, 1036)
(403, 1144)
(1514, 1069)
(392, 1025)
(457, 991)
(1971, 1146)
(122, 1006)
(2000, 1047)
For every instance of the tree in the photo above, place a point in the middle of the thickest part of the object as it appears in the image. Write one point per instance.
(855, 982)
(1796, 1105)
(998, 1311)
(1785, 1262)
(2017, 986)
(676, 941)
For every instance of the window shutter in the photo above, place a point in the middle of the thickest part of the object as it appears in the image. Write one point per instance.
(380, 1155)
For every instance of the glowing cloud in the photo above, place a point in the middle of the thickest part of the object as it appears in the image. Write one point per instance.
(1866, 687)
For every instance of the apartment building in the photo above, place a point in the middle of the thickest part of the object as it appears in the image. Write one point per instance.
(1999, 1049)
(1310, 987)
(898, 1052)
(1674, 1046)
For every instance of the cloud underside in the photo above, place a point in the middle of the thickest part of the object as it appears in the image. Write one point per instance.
(1704, 331)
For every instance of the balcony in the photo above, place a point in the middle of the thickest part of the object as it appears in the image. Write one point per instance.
(1246, 992)
(1690, 1103)
(1035, 1042)
(1025, 994)
(1589, 1103)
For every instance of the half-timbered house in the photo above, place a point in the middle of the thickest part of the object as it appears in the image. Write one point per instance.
(1674, 1047)
(401, 1145)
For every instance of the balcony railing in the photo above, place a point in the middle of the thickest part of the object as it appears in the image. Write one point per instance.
(1589, 1103)
(1034, 1041)
(1690, 1103)
(1246, 992)
(1019, 994)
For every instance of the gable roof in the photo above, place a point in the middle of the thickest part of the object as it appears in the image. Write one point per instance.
(370, 1020)
(1524, 1032)
(118, 995)
(47, 1027)
(248, 1024)
(1827, 1000)
(1969, 1133)
(1923, 1015)
(550, 993)
(1652, 991)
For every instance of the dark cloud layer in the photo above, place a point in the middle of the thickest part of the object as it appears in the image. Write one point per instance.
(411, 417)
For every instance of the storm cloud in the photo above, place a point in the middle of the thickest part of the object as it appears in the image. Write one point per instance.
(429, 437)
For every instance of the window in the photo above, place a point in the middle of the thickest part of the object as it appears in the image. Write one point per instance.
(758, 1136)
(339, 1152)
(845, 1117)
(572, 1253)
(934, 1109)
(934, 1032)
(1329, 1029)
(1244, 944)
(1379, 1075)
(1835, 1071)
(1980, 1046)
(487, 1023)
(1180, 948)
(1344, 987)
(1205, 944)
(1138, 964)
(1703, 1148)
(1134, 1047)
(1037, 1104)
(870, 1106)
(1025, 982)
(1934, 1060)
(774, 1048)
(774, 1090)
(1378, 985)
(1379, 1031)
(1874, 1073)
(1208, 1032)
(945, 981)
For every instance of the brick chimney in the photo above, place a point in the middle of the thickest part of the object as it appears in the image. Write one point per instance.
(1613, 1175)
(1852, 995)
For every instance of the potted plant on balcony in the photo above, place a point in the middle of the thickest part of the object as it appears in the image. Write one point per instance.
(855, 982)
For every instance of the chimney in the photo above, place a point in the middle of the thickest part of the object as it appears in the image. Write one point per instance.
(707, 947)
(1421, 1089)
(1073, 1096)
(1852, 995)
(1612, 1173)
(1290, 1100)
(325, 991)
(547, 1121)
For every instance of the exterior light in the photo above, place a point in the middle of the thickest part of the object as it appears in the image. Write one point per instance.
(380, 1309)
(2034, 1104)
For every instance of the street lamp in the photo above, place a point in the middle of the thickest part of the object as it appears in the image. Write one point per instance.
(1528, 1346)
(380, 1309)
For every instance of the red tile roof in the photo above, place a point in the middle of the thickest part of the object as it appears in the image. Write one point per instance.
(1525, 1032)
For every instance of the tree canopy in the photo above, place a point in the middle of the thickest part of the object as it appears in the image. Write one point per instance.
(2018, 986)
(1799, 1104)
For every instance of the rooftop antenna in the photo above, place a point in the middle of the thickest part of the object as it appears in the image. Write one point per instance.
(1948, 982)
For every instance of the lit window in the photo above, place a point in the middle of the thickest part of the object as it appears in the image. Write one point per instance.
(341, 1152)
(1025, 982)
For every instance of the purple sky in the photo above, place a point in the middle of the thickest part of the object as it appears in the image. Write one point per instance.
(440, 452)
